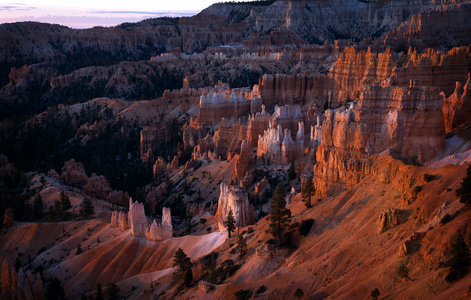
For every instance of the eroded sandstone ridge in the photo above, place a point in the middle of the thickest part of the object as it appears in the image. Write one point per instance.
(234, 198)
(137, 222)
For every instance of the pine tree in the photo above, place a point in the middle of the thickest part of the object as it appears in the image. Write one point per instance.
(279, 215)
(230, 223)
(403, 272)
(464, 192)
(188, 277)
(181, 260)
(112, 291)
(308, 191)
(65, 202)
(292, 171)
(99, 292)
(55, 290)
(242, 245)
(375, 293)
(459, 260)
(86, 208)
(38, 206)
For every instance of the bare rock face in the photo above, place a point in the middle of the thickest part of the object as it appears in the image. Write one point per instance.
(292, 89)
(234, 198)
(405, 120)
(205, 287)
(114, 219)
(260, 186)
(457, 108)
(192, 132)
(53, 173)
(226, 138)
(243, 160)
(122, 222)
(137, 220)
(21, 285)
(353, 70)
(74, 173)
(118, 198)
(148, 138)
(160, 167)
(278, 146)
(391, 218)
(8, 219)
(404, 249)
(256, 125)
(159, 231)
(98, 187)
(220, 105)
(30, 286)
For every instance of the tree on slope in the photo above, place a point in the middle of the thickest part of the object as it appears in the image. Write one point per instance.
(230, 222)
(279, 215)
(308, 191)
(181, 260)
(460, 259)
(86, 208)
(464, 192)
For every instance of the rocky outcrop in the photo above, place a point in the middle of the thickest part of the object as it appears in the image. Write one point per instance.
(118, 197)
(457, 108)
(391, 218)
(98, 187)
(261, 185)
(243, 160)
(137, 220)
(118, 220)
(74, 173)
(226, 138)
(19, 285)
(221, 104)
(278, 147)
(160, 167)
(148, 139)
(8, 220)
(205, 287)
(292, 89)
(353, 70)
(7, 169)
(234, 198)
(159, 231)
(407, 121)
(256, 125)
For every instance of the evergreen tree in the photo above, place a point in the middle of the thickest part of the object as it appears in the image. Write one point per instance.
(403, 272)
(188, 277)
(459, 260)
(375, 294)
(86, 208)
(292, 171)
(54, 290)
(112, 291)
(65, 202)
(38, 206)
(308, 191)
(299, 293)
(242, 245)
(99, 293)
(230, 223)
(181, 260)
(464, 192)
(279, 215)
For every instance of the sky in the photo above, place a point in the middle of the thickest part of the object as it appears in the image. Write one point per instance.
(89, 13)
